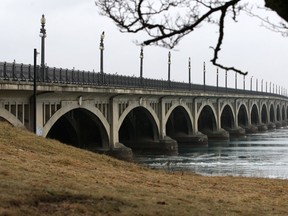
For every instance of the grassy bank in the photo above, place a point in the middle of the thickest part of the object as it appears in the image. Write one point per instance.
(44, 177)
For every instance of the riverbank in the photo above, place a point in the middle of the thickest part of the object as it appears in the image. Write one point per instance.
(44, 177)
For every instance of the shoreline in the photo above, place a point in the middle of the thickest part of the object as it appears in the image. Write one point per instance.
(208, 175)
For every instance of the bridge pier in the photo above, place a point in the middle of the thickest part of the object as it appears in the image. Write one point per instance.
(216, 135)
(236, 132)
(271, 126)
(194, 140)
(165, 146)
(284, 123)
(278, 124)
(251, 129)
(262, 127)
(121, 152)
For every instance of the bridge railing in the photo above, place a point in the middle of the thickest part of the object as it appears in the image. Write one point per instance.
(23, 72)
(16, 72)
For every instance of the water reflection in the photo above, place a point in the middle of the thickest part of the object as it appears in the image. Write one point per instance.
(258, 155)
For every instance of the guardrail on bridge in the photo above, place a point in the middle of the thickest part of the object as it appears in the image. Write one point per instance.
(25, 72)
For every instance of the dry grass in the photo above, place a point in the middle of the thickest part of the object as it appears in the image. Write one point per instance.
(44, 177)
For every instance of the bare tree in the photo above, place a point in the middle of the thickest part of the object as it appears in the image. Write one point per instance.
(166, 22)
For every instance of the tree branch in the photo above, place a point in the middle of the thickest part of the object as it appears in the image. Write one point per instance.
(280, 6)
(219, 44)
(166, 22)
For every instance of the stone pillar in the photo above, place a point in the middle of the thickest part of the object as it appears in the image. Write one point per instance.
(162, 120)
(249, 113)
(251, 128)
(218, 115)
(114, 113)
(235, 107)
(196, 116)
(39, 118)
(117, 149)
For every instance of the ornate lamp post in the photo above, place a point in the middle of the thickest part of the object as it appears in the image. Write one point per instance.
(262, 85)
(270, 87)
(43, 35)
(251, 83)
(277, 89)
(204, 76)
(101, 47)
(35, 91)
(217, 79)
(189, 72)
(226, 80)
(141, 65)
(244, 82)
(169, 67)
(236, 81)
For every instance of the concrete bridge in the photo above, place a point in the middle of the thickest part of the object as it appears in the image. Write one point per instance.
(103, 112)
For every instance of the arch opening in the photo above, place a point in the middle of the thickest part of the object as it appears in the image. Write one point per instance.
(80, 128)
(138, 128)
(227, 119)
(264, 114)
(242, 117)
(278, 114)
(207, 120)
(283, 113)
(178, 123)
(272, 114)
(254, 115)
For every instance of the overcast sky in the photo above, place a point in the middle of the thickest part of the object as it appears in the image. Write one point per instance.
(73, 35)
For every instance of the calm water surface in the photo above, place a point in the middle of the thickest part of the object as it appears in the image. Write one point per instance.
(258, 155)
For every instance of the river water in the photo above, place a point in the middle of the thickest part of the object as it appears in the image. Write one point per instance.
(257, 155)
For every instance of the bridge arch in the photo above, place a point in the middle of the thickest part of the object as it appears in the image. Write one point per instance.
(264, 114)
(207, 119)
(66, 109)
(91, 117)
(278, 113)
(138, 127)
(133, 106)
(254, 115)
(9, 117)
(178, 121)
(272, 113)
(283, 113)
(242, 116)
(227, 117)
